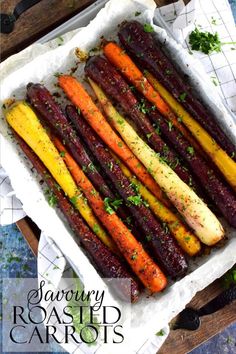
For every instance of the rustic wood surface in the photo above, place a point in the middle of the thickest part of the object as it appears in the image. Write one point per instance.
(36, 21)
(33, 24)
(184, 341)
(39, 20)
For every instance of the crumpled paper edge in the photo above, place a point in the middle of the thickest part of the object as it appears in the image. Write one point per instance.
(176, 291)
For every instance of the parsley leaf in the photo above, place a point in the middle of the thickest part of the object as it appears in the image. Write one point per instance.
(110, 204)
(136, 199)
(190, 150)
(148, 28)
(51, 198)
(182, 97)
(206, 42)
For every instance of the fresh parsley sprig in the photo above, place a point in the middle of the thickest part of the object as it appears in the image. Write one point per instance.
(206, 42)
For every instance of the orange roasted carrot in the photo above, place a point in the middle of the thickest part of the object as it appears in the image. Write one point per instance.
(98, 122)
(124, 63)
(145, 268)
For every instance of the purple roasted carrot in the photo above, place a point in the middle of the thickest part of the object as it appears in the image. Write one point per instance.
(105, 261)
(158, 240)
(217, 189)
(111, 81)
(149, 55)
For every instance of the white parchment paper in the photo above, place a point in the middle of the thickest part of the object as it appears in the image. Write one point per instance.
(152, 313)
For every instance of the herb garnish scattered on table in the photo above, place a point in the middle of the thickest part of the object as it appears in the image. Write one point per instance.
(206, 42)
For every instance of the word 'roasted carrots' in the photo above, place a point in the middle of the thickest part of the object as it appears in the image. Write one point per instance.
(194, 210)
(123, 62)
(91, 113)
(26, 124)
(126, 242)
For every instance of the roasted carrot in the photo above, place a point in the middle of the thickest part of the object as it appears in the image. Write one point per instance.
(26, 124)
(52, 116)
(87, 188)
(91, 113)
(186, 239)
(107, 263)
(158, 240)
(206, 226)
(110, 221)
(123, 62)
(114, 85)
(24, 121)
(149, 54)
(226, 165)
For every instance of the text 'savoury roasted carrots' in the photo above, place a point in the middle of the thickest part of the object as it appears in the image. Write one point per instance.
(223, 161)
(195, 211)
(81, 99)
(157, 239)
(105, 75)
(123, 62)
(106, 262)
(25, 123)
(149, 55)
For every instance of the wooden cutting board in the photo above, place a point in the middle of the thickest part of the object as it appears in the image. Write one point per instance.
(33, 24)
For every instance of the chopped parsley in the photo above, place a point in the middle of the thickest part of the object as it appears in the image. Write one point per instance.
(110, 166)
(168, 72)
(62, 153)
(110, 204)
(170, 125)
(74, 199)
(92, 167)
(182, 97)
(148, 28)
(120, 144)
(160, 333)
(136, 199)
(96, 228)
(149, 135)
(134, 255)
(137, 13)
(142, 107)
(190, 150)
(79, 110)
(206, 42)
(51, 198)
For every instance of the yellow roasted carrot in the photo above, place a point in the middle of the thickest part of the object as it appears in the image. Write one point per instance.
(186, 239)
(225, 164)
(196, 213)
(25, 123)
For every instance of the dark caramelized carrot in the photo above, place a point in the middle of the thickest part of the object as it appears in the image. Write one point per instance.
(107, 77)
(157, 239)
(148, 54)
(51, 114)
(80, 98)
(106, 262)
